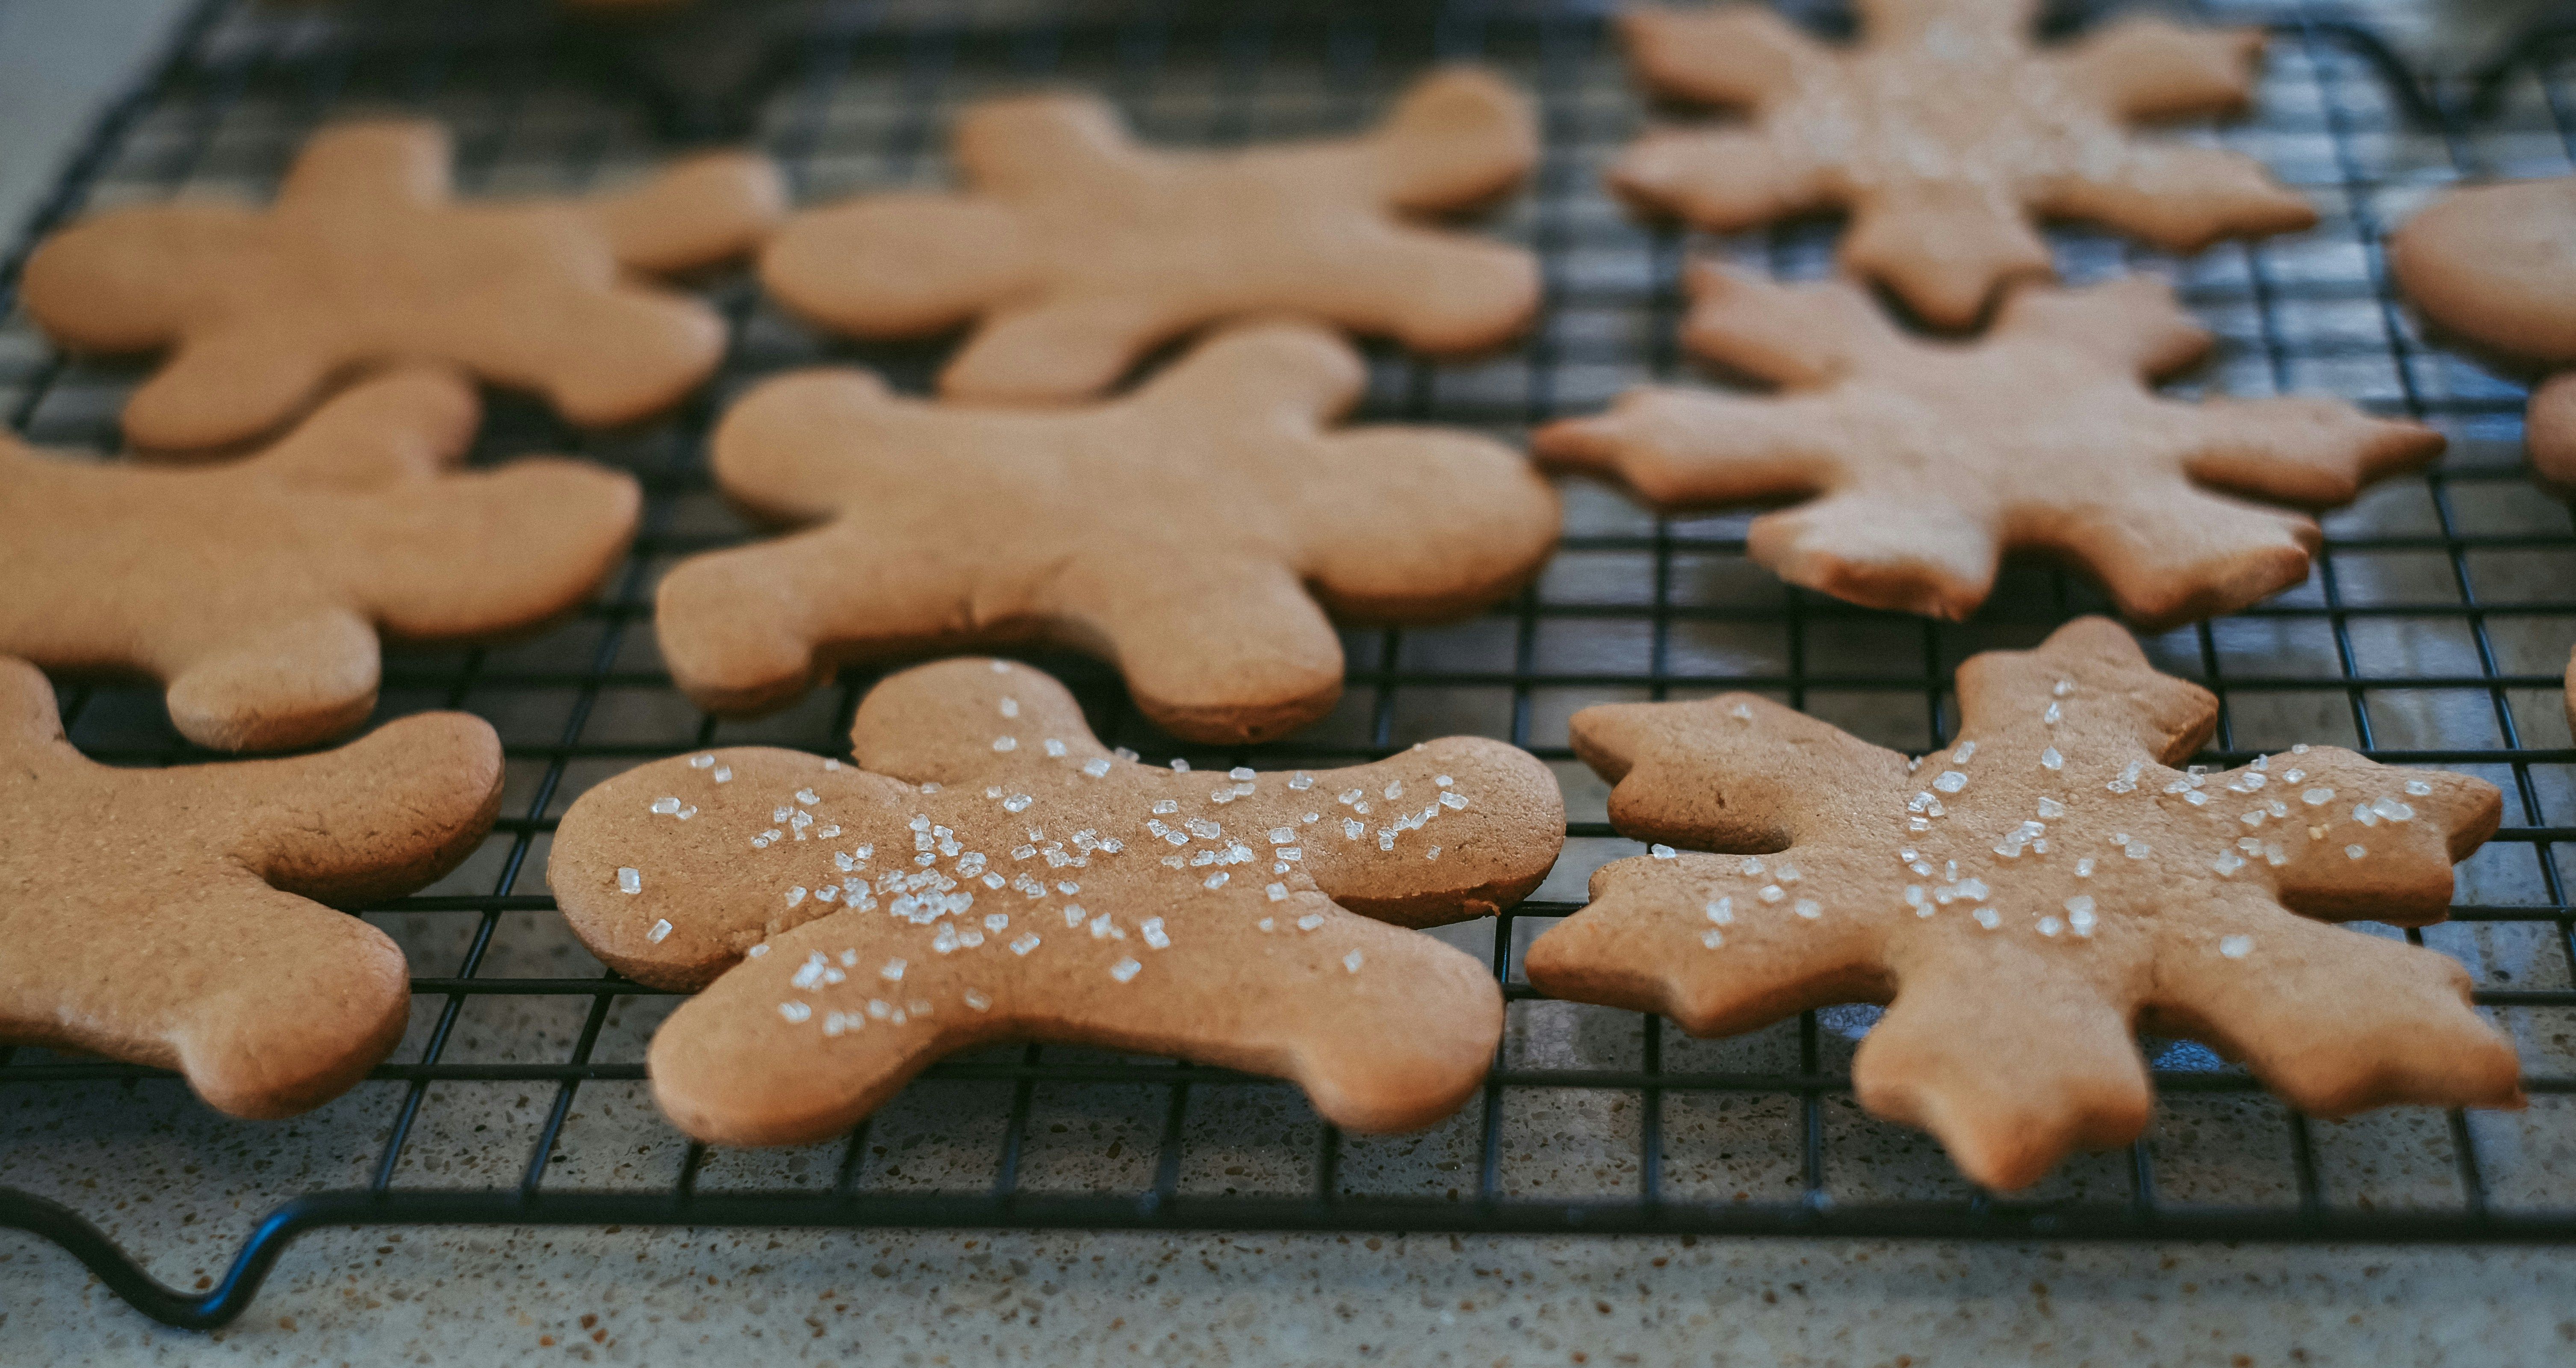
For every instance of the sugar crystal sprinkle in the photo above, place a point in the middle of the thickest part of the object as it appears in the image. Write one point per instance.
(666, 806)
(976, 999)
(630, 881)
(2050, 759)
(1125, 969)
(661, 931)
(797, 1013)
(1663, 852)
(1351, 962)
(2236, 947)
(2354, 852)
(1025, 944)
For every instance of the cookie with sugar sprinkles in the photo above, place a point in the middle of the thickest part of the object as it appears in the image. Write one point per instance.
(176, 918)
(2028, 898)
(1916, 464)
(1194, 533)
(1945, 132)
(257, 589)
(2494, 267)
(1074, 252)
(367, 259)
(989, 871)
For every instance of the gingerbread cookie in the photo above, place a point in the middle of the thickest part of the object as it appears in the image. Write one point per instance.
(364, 259)
(161, 917)
(1922, 462)
(2027, 898)
(1193, 532)
(256, 589)
(2495, 267)
(1075, 252)
(1944, 132)
(992, 872)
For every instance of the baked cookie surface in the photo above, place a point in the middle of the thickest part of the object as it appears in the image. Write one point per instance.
(1193, 533)
(256, 589)
(1915, 463)
(366, 259)
(1944, 132)
(2494, 266)
(2026, 899)
(173, 917)
(1074, 252)
(991, 872)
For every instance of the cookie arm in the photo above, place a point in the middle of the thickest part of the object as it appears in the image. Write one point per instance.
(298, 678)
(374, 819)
(2179, 555)
(1643, 944)
(1722, 179)
(2313, 453)
(1944, 249)
(696, 212)
(2114, 701)
(1737, 772)
(1888, 544)
(2182, 198)
(2147, 68)
(1027, 147)
(2009, 1082)
(1057, 347)
(2133, 323)
(747, 629)
(1439, 293)
(1214, 647)
(230, 383)
(1698, 448)
(1799, 336)
(898, 265)
(2333, 1020)
(401, 425)
(1736, 55)
(266, 1003)
(1458, 137)
(1422, 525)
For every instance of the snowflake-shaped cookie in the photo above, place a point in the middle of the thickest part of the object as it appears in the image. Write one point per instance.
(2028, 898)
(1075, 252)
(1918, 463)
(161, 916)
(993, 872)
(256, 588)
(1944, 132)
(1193, 532)
(365, 259)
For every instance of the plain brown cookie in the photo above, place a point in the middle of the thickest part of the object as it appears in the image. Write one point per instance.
(2495, 267)
(1193, 532)
(992, 872)
(365, 259)
(1075, 252)
(2027, 899)
(160, 916)
(1914, 464)
(256, 589)
(1944, 132)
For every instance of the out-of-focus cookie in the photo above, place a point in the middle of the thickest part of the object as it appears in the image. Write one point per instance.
(171, 917)
(1074, 252)
(991, 872)
(1193, 533)
(2029, 897)
(2495, 267)
(365, 259)
(1945, 132)
(256, 589)
(1917, 463)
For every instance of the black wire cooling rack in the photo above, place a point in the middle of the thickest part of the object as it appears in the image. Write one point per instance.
(2431, 634)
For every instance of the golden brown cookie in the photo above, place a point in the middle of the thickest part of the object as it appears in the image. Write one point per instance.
(1075, 252)
(2028, 898)
(161, 917)
(256, 589)
(1193, 533)
(1944, 132)
(992, 872)
(2495, 267)
(1916, 463)
(365, 259)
